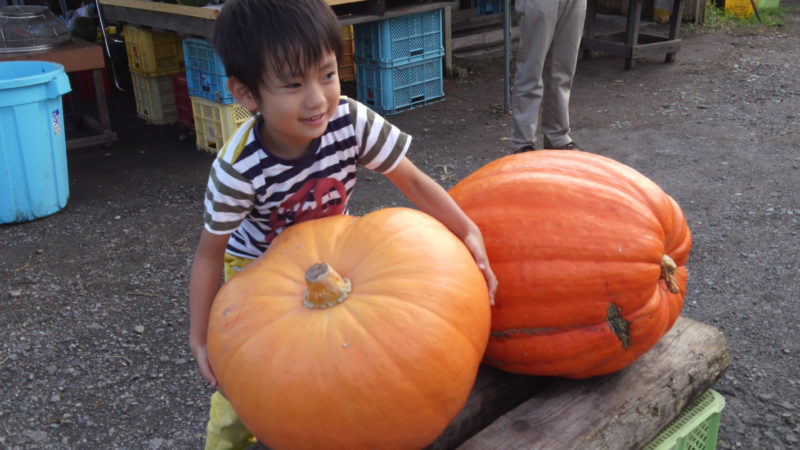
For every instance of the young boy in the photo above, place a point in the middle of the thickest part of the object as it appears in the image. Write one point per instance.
(294, 161)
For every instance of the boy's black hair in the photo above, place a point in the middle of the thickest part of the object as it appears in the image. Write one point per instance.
(256, 37)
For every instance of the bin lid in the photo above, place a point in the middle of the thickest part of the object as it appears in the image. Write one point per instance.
(25, 28)
(31, 81)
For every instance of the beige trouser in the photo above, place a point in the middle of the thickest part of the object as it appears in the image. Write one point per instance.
(225, 430)
(550, 36)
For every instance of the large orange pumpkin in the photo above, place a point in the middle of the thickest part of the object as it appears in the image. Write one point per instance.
(352, 333)
(590, 258)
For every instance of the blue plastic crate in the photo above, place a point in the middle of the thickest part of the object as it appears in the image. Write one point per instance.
(205, 74)
(399, 40)
(389, 90)
(486, 7)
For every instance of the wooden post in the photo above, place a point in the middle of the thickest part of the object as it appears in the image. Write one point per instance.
(447, 39)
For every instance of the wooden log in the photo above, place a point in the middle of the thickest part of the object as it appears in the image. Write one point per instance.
(495, 392)
(623, 410)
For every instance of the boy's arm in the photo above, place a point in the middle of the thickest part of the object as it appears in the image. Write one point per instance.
(204, 283)
(432, 198)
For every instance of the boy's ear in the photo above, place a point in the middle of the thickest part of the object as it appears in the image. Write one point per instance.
(242, 94)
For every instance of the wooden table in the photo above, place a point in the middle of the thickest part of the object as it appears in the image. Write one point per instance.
(196, 21)
(76, 56)
(630, 44)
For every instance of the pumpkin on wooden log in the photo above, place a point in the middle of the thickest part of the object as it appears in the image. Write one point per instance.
(352, 332)
(590, 259)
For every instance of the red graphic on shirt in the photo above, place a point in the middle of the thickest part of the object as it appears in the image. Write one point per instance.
(316, 198)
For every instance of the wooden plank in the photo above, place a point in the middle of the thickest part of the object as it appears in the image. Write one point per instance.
(482, 39)
(99, 139)
(353, 19)
(377, 7)
(206, 12)
(75, 55)
(159, 20)
(196, 25)
(626, 409)
(209, 11)
(606, 46)
(656, 48)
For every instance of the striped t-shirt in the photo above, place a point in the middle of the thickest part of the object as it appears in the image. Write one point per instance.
(255, 195)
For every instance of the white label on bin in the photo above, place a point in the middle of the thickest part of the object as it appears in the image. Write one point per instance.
(56, 122)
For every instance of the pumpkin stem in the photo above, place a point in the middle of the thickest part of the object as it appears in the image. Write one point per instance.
(324, 287)
(668, 269)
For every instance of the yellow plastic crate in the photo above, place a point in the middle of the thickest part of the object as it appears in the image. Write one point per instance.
(739, 8)
(215, 123)
(152, 52)
(662, 10)
(696, 426)
(155, 101)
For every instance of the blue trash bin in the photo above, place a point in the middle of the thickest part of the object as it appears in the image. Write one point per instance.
(33, 149)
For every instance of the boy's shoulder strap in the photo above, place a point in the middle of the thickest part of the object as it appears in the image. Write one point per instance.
(233, 148)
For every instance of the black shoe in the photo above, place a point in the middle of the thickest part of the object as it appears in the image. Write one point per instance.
(525, 148)
(570, 146)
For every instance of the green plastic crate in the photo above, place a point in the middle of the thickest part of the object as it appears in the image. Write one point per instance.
(768, 4)
(695, 428)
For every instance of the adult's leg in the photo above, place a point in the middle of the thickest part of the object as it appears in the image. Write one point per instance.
(559, 71)
(537, 20)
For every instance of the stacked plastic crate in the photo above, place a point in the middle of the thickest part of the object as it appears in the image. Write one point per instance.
(153, 57)
(183, 103)
(486, 7)
(216, 113)
(399, 62)
(82, 84)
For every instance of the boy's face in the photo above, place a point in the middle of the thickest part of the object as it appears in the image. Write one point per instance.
(297, 108)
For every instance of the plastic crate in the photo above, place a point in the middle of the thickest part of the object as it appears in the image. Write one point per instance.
(215, 123)
(696, 426)
(152, 52)
(205, 73)
(183, 103)
(82, 84)
(395, 89)
(347, 67)
(768, 4)
(155, 101)
(486, 7)
(399, 40)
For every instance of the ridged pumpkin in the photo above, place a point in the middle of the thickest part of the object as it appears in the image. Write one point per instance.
(590, 258)
(352, 332)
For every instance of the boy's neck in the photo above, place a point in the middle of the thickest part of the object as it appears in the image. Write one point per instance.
(281, 149)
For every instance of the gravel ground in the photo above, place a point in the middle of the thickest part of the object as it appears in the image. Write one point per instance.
(94, 321)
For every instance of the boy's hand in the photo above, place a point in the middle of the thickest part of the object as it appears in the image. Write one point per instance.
(478, 250)
(201, 356)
